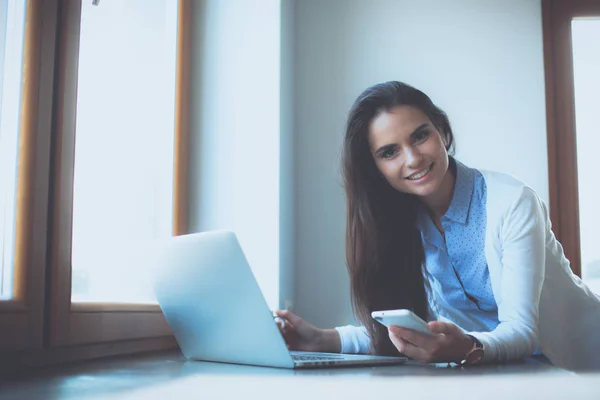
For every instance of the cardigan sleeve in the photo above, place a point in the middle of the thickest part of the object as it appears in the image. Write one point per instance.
(354, 339)
(522, 237)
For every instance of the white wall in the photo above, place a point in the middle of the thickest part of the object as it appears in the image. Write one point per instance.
(480, 61)
(235, 139)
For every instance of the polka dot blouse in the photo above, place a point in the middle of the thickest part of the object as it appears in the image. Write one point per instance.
(455, 261)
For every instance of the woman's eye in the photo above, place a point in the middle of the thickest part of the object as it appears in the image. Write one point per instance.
(421, 136)
(389, 153)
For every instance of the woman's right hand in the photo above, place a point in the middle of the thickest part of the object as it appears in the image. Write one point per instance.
(304, 336)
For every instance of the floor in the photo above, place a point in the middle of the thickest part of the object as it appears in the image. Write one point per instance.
(118, 376)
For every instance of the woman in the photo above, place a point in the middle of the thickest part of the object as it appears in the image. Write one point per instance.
(471, 251)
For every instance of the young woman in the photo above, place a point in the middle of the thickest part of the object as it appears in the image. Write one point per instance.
(471, 251)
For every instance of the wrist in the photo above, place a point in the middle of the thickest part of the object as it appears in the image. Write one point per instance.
(329, 341)
(475, 353)
(467, 346)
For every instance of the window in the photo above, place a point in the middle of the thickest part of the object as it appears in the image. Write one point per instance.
(571, 37)
(12, 22)
(114, 76)
(586, 67)
(115, 188)
(123, 184)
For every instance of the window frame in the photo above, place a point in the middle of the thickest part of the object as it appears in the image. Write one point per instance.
(22, 317)
(560, 120)
(88, 323)
(39, 325)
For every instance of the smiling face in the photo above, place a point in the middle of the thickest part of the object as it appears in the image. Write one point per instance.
(410, 153)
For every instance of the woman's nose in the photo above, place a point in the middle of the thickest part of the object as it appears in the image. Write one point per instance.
(413, 157)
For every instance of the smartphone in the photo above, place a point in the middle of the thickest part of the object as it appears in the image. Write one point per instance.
(402, 318)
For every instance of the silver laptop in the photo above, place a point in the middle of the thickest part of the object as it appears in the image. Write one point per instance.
(214, 306)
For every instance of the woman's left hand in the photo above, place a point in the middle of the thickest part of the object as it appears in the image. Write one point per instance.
(448, 344)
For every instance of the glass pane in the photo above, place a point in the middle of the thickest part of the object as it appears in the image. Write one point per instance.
(12, 23)
(123, 189)
(586, 63)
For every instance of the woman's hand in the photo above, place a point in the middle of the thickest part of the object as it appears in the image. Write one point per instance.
(303, 336)
(449, 344)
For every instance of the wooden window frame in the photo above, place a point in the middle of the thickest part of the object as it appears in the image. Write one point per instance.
(560, 119)
(90, 323)
(39, 325)
(22, 317)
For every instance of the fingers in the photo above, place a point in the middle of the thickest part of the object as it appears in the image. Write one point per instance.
(290, 316)
(280, 324)
(283, 324)
(287, 330)
(419, 339)
(397, 341)
(409, 349)
(443, 327)
(285, 327)
(446, 343)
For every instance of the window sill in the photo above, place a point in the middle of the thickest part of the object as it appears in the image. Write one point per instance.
(106, 377)
(23, 362)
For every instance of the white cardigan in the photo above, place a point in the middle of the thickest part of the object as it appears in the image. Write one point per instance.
(541, 303)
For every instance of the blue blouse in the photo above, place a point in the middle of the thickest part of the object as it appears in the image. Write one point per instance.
(456, 264)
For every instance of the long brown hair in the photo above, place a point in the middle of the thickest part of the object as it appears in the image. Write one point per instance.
(384, 252)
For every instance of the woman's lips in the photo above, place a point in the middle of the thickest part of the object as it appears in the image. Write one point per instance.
(420, 175)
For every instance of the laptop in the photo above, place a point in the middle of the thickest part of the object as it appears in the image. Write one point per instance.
(216, 310)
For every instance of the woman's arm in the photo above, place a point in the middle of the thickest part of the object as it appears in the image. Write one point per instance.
(354, 339)
(304, 336)
(522, 239)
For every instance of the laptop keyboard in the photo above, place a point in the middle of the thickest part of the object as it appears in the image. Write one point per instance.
(314, 358)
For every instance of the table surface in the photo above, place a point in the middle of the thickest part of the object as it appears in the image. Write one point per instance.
(167, 375)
